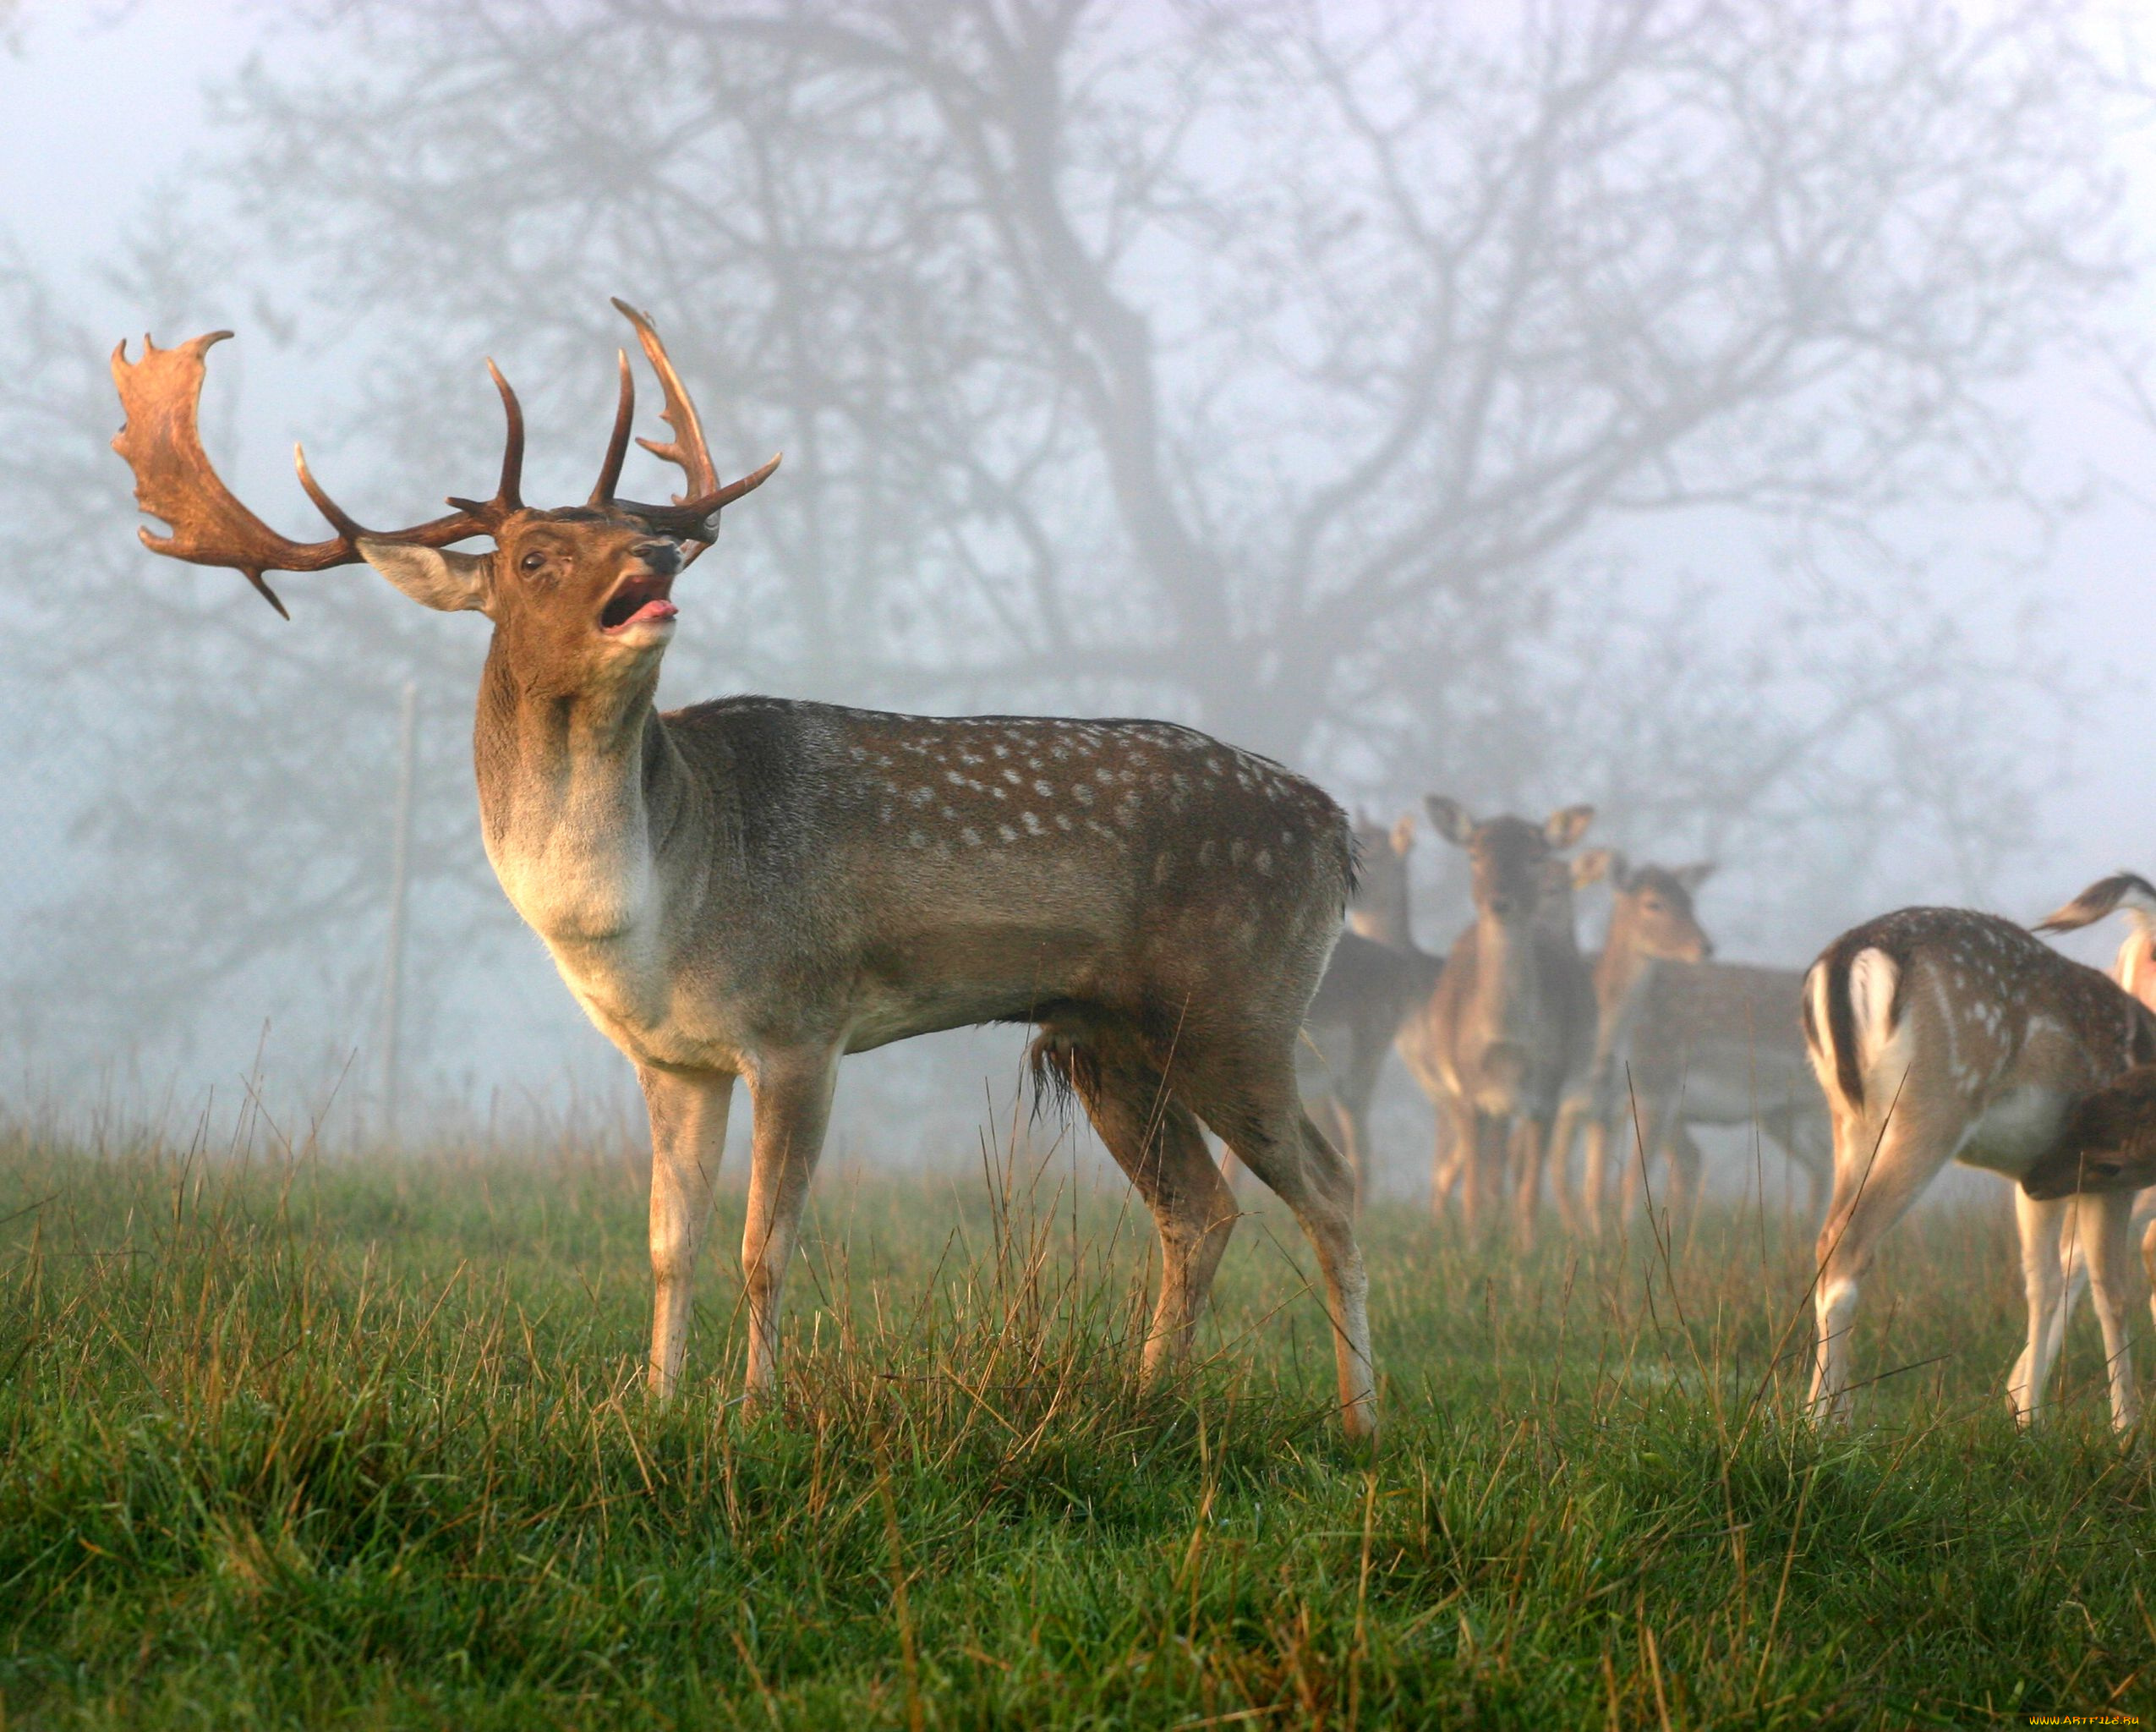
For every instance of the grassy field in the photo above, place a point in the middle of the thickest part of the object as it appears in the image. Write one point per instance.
(360, 1444)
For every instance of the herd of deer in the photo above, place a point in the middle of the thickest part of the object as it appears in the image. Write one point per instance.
(1526, 1045)
(751, 888)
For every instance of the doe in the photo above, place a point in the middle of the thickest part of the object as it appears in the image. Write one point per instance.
(1943, 1034)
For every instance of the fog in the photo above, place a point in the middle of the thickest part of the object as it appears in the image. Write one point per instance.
(1724, 415)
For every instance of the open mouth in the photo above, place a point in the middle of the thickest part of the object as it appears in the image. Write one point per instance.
(641, 599)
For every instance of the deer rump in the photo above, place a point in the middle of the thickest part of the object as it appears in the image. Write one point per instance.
(2082, 1134)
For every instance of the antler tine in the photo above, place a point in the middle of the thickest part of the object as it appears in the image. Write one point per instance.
(686, 450)
(617, 446)
(340, 519)
(689, 517)
(508, 492)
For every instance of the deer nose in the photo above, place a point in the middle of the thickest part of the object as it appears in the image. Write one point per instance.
(1706, 950)
(662, 558)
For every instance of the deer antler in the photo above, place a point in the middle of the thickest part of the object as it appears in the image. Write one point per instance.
(689, 517)
(161, 394)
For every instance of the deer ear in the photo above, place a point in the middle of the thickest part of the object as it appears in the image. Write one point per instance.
(1693, 876)
(1591, 865)
(1449, 819)
(433, 578)
(1403, 836)
(1566, 827)
(1618, 868)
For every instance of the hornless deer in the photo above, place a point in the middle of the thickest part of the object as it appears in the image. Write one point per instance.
(1651, 922)
(1557, 919)
(1941, 1034)
(1495, 1041)
(1376, 979)
(1720, 1044)
(755, 887)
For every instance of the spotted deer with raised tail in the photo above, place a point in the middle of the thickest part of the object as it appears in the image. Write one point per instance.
(1943, 1034)
(2134, 967)
(751, 888)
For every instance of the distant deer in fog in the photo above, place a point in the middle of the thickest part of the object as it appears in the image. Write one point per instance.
(1498, 1038)
(1651, 922)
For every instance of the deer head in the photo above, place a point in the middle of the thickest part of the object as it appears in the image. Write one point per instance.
(1380, 907)
(1652, 916)
(575, 594)
(1508, 857)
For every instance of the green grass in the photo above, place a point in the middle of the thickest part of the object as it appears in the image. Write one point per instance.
(360, 1444)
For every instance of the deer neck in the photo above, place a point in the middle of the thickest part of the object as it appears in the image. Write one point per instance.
(1624, 969)
(577, 791)
(1506, 979)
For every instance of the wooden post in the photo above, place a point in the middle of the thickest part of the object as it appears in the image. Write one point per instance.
(399, 883)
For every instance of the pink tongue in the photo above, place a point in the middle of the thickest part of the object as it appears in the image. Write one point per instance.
(654, 610)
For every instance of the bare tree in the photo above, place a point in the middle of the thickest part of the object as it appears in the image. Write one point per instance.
(1274, 367)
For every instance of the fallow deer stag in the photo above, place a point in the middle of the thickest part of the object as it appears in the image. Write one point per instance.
(755, 887)
(1496, 1040)
(1941, 1034)
(1376, 978)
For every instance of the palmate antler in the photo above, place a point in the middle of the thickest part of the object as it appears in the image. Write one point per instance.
(174, 480)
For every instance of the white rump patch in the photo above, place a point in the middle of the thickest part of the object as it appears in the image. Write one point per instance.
(1873, 978)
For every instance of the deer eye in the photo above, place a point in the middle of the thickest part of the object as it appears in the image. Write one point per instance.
(531, 562)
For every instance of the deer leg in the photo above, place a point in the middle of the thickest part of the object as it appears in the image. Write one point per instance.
(1259, 1114)
(1528, 1147)
(1157, 1142)
(688, 1136)
(1351, 1101)
(1878, 1173)
(790, 1095)
(1482, 1182)
(1455, 1143)
(2073, 1264)
(1339, 1120)
(2148, 1263)
(1687, 1164)
(2106, 1236)
(1573, 1209)
(2042, 1226)
(1594, 1176)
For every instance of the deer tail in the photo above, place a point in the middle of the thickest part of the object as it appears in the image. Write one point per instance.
(1850, 1010)
(2122, 890)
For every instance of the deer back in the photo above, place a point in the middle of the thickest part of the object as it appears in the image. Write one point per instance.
(898, 873)
(1967, 1028)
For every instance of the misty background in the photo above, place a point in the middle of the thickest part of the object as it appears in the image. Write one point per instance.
(1736, 415)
